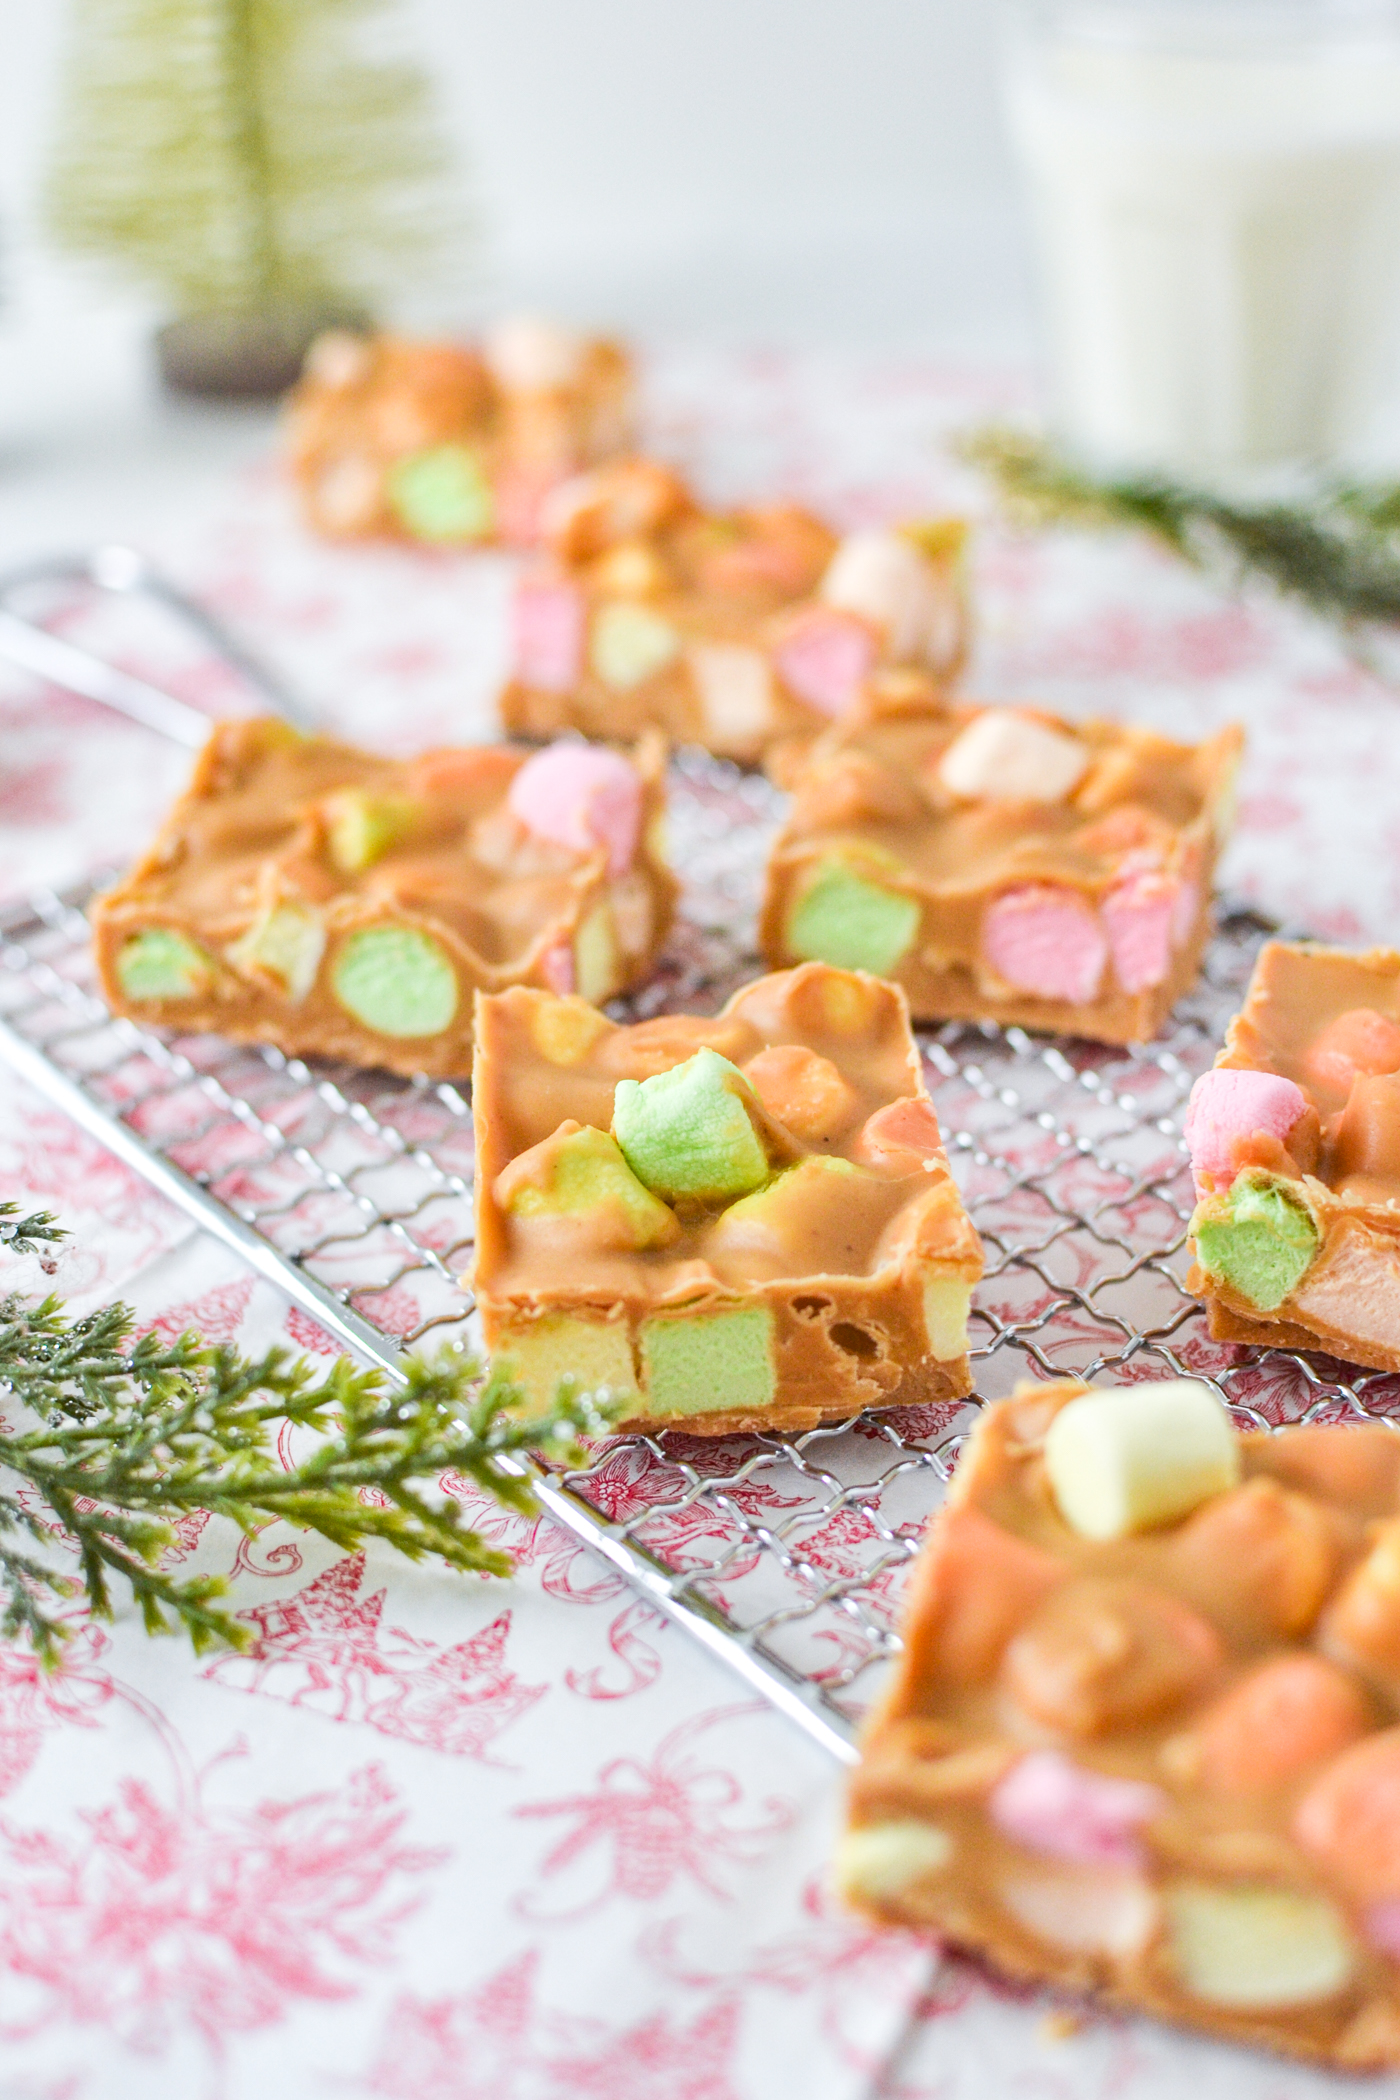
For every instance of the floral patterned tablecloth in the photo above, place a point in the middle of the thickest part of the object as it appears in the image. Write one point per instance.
(454, 1840)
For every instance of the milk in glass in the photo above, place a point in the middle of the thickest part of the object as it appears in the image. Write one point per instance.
(1216, 192)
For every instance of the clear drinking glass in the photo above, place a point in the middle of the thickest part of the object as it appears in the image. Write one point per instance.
(1215, 189)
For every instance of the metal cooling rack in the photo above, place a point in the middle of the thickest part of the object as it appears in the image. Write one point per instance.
(784, 1556)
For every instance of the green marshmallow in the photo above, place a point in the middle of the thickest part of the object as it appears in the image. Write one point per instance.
(583, 1171)
(1257, 1238)
(704, 1363)
(688, 1134)
(162, 964)
(286, 943)
(360, 827)
(631, 644)
(854, 924)
(396, 981)
(442, 495)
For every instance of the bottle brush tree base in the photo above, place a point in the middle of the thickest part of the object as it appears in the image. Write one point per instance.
(245, 354)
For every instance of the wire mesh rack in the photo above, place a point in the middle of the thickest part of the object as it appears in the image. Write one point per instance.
(785, 1556)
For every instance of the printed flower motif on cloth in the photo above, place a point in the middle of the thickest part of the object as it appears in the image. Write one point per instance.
(672, 1820)
(326, 1647)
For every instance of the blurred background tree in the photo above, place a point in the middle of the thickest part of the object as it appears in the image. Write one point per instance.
(256, 164)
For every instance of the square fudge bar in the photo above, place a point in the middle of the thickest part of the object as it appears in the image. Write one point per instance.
(1002, 864)
(744, 631)
(1141, 1737)
(1295, 1146)
(745, 1221)
(313, 896)
(447, 444)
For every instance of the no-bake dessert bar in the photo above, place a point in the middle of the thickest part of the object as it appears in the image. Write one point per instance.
(1142, 1735)
(1002, 864)
(313, 896)
(744, 631)
(745, 1222)
(449, 444)
(1295, 1146)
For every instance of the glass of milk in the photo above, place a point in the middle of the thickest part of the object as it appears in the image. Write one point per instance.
(1216, 197)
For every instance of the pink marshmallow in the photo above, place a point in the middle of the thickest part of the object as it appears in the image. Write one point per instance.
(557, 968)
(1138, 916)
(1049, 1804)
(1046, 940)
(1226, 1107)
(1383, 1927)
(582, 796)
(823, 658)
(548, 623)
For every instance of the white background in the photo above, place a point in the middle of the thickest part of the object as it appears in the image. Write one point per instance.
(820, 170)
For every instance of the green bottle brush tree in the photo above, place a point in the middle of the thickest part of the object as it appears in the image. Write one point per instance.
(256, 166)
(110, 1442)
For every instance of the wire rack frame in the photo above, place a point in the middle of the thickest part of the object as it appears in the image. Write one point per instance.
(785, 1557)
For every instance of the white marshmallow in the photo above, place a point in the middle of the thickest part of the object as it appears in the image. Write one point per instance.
(735, 685)
(883, 577)
(529, 356)
(1138, 1455)
(1013, 757)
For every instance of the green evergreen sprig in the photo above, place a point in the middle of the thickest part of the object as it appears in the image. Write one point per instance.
(1337, 549)
(132, 1437)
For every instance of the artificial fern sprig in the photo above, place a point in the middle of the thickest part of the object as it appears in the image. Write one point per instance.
(1337, 549)
(133, 1437)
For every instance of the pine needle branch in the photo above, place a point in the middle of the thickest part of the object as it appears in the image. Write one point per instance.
(132, 1437)
(1337, 550)
(26, 1235)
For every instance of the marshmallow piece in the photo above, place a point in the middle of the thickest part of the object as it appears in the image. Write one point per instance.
(396, 981)
(687, 1133)
(159, 963)
(547, 619)
(947, 1303)
(1013, 758)
(581, 796)
(1084, 1910)
(823, 658)
(338, 358)
(881, 1860)
(1120, 1461)
(903, 1136)
(1228, 1107)
(579, 1172)
(630, 644)
(442, 495)
(804, 1092)
(883, 577)
(1050, 1804)
(526, 355)
(286, 943)
(1257, 1237)
(1251, 1948)
(361, 828)
(1046, 940)
(841, 918)
(700, 1363)
(735, 685)
(1139, 917)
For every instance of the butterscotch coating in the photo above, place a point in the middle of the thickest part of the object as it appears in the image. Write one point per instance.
(331, 902)
(1001, 864)
(745, 631)
(839, 1279)
(1327, 1022)
(1146, 1766)
(505, 422)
